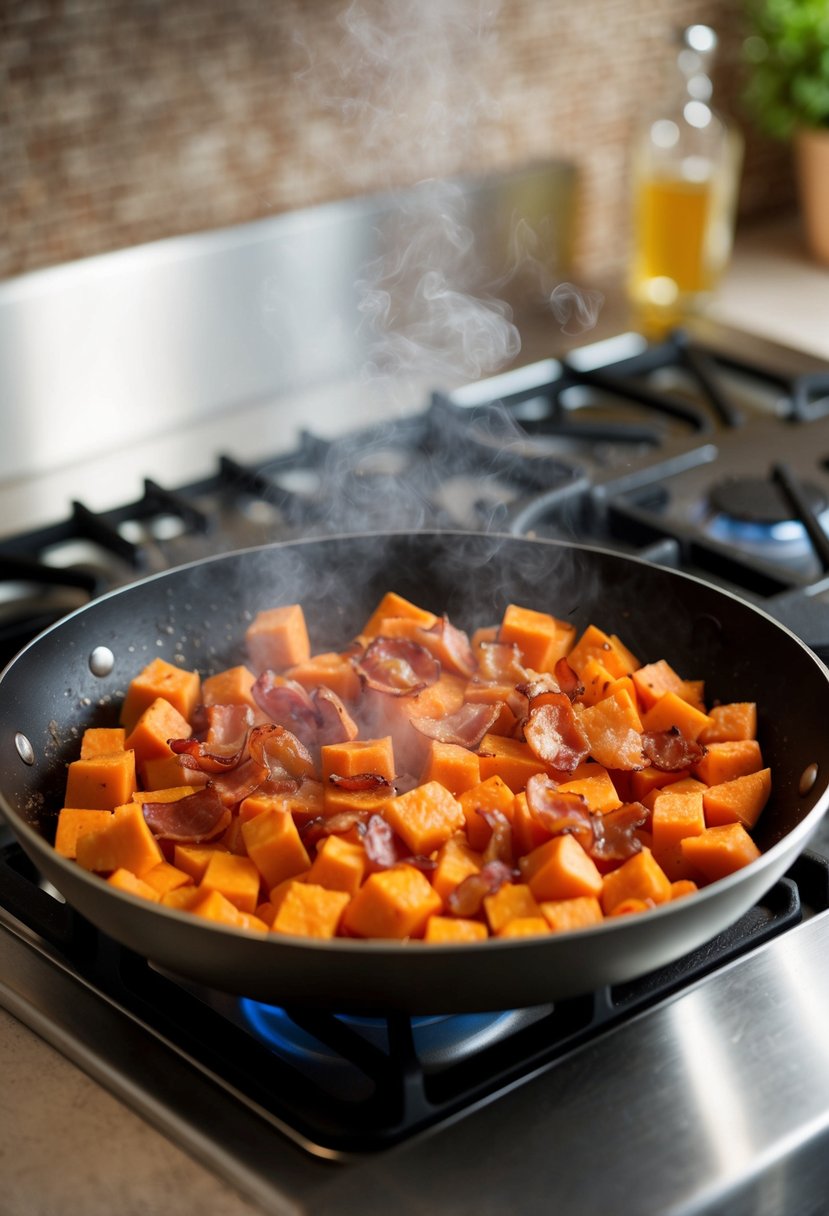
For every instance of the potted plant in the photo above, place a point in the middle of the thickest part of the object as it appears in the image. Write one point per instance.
(787, 52)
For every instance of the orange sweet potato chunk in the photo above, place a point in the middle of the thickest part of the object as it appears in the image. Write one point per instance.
(676, 816)
(596, 787)
(639, 878)
(455, 862)
(561, 869)
(339, 865)
(613, 655)
(736, 720)
(99, 740)
(236, 877)
(181, 688)
(394, 903)
(541, 638)
(149, 737)
(74, 822)
(671, 710)
(728, 760)
(278, 638)
(613, 731)
(424, 817)
(510, 759)
(232, 686)
(454, 766)
(719, 851)
(525, 926)
(562, 915)
(125, 880)
(102, 782)
(738, 801)
(510, 901)
(166, 877)
(212, 905)
(274, 845)
(358, 756)
(442, 929)
(394, 605)
(491, 795)
(331, 670)
(124, 842)
(308, 910)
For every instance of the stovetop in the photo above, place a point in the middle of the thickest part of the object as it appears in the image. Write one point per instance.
(693, 452)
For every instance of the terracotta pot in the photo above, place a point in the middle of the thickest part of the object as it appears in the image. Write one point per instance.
(812, 160)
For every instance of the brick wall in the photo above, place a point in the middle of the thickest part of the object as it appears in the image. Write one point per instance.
(124, 121)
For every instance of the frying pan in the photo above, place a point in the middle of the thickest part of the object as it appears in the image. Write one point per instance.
(196, 615)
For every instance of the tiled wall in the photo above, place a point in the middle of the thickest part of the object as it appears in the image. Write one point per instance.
(124, 121)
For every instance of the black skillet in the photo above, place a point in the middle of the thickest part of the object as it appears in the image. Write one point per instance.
(196, 616)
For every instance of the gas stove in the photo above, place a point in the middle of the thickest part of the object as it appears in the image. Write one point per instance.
(702, 451)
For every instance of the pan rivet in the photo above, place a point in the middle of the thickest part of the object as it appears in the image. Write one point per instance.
(807, 779)
(101, 661)
(24, 748)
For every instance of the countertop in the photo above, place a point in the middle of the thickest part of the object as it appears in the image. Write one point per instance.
(66, 1145)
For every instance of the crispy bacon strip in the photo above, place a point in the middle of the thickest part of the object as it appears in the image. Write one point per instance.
(359, 783)
(615, 836)
(241, 781)
(336, 724)
(468, 896)
(196, 817)
(226, 728)
(499, 846)
(280, 752)
(557, 812)
(670, 751)
(397, 666)
(451, 647)
(466, 727)
(288, 704)
(554, 733)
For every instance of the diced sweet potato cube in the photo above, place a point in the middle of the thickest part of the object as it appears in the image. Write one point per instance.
(510, 759)
(358, 756)
(339, 865)
(541, 638)
(454, 929)
(74, 822)
(631, 906)
(654, 680)
(597, 681)
(651, 780)
(612, 727)
(491, 795)
(125, 880)
(182, 898)
(672, 711)
(304, 803)
(738, 801)
(308, 910)
(720, 850)
(150, 736)
(331, 669)
(425, 817)
(524, 926)
(454, 766)
(278, 638)
(455, 862)
(172, 794)
(193, 859)
(675, 816)
(99, 740)
(102, 782)
(560, 869)
(594, 643)
(336, 799)
(562, 915)
(508, 902)
(237, 878)
(212, 905)
(640, 877)
(273, 843)
(685, 785)
(124, 841)
(683, 886)
(165, 877)
(728, 760)
(528, 832)
(736, 720)
(479, 693)
(180, 688)
(163, 772)
(232, 686)
(596, 787)
(394, 903)
(394, 605)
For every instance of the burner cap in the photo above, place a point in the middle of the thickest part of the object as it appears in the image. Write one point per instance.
(759, 501)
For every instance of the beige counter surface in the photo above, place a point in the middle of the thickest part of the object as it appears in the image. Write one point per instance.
(67, 1147)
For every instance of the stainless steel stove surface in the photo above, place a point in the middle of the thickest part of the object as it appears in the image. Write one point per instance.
(703, 1088)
